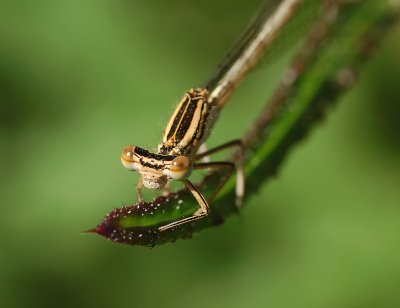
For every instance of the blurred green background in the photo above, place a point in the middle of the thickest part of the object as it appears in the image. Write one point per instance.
(79, 80)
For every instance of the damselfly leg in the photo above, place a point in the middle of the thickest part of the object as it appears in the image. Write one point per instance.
(239, 167)
(229, 166)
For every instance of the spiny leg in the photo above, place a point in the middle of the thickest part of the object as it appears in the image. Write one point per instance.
(200, 213)
(217, 165)
(165, 189)
(234, 143)
(239, 166)
(204, 208)
(203, 149)
(139, 187)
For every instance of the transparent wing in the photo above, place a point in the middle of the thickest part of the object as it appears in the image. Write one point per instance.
(296, 27)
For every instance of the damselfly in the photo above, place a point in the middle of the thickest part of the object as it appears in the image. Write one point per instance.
(177, 155)
(192, 121)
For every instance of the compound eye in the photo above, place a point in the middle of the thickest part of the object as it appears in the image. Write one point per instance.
(128, 158)
(127, 154)
(180, 168)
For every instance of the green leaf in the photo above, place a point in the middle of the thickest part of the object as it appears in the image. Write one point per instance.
(326, 65)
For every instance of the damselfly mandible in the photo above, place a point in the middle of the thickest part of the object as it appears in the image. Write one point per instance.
(191, 123)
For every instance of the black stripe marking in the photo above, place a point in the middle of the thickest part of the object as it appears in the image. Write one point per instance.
(160, 157)
(186, 121)
(178, 118)
(164, 149)
(200, 125)
(150, 165)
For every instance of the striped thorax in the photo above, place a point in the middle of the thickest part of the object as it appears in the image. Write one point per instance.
(189, 125)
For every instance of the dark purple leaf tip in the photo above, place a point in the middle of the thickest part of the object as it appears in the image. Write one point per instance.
(112, 229)
(138, 224)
